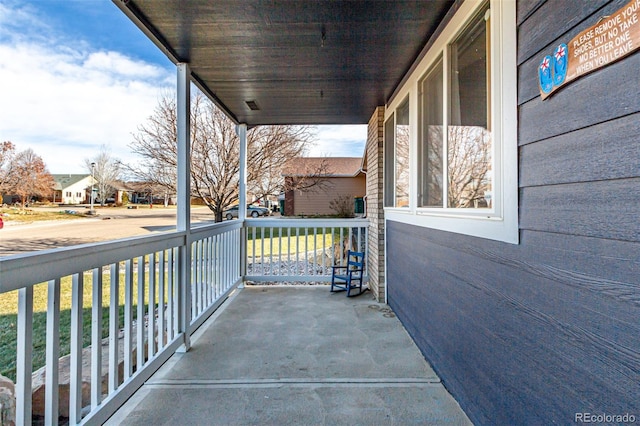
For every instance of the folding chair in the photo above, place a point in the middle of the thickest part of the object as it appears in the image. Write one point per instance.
(349, 276)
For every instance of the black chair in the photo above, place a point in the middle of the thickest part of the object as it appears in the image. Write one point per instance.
(349, 276)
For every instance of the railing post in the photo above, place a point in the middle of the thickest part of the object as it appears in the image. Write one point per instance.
(241, 130)
(184, 202)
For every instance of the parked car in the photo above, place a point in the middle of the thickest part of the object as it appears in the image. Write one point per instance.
(253, 211)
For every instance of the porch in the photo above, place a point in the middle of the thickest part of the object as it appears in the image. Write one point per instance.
(177, 302)
(295, 355)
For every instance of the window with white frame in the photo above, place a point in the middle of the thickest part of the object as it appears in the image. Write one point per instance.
(402, 155)
(464, 133)
(389, 162)
(455, 166)
(397, 158)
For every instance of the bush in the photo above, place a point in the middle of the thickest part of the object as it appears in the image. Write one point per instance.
(343, 206)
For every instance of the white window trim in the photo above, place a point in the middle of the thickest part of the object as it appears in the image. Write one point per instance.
(501, 222)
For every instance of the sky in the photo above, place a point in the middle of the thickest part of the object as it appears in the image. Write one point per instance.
(76, 75)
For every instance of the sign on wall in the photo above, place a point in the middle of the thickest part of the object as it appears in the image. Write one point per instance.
(612, 38)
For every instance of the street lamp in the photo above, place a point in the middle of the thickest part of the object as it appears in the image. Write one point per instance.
(93, 166)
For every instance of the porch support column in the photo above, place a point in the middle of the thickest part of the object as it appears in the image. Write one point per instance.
(241, 130)
(375, 207)
(184, 201)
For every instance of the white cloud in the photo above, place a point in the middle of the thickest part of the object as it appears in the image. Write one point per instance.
(65, 101)
(339, 141)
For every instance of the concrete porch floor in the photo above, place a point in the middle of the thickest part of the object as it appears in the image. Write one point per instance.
(295, 355)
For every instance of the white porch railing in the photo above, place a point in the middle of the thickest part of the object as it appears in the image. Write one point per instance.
(148, 308)
(300, 249)
(146, 295)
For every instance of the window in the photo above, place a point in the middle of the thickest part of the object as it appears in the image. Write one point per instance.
(396, 160)
(389, 162)
(464, 176)
(430, 160)
(402, 155)
(469, 138)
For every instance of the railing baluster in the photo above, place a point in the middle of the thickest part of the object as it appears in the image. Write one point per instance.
(216, 267)
(114, 316)
(200, 283)
(96, 338)
(52, 352)
(288, 250)
(341, 246)
(323, 249)
(140, 315)
(280, 244)
(151, 312)
(24, 363)
(128, 319)
(161, 299)
(271, 250)
(297, 250)
(171, 296)
(253, 248)
(224, 262)
(306, 251)
(207, 271)
(228, 260)
(192, 280)
(75, 368)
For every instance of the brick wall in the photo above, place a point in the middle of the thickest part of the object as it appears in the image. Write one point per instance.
(375, 210)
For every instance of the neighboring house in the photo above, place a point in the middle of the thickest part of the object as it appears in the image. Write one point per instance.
(314, 182)
(147, 193)
(72, 189)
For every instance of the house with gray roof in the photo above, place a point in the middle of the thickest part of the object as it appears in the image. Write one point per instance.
(72, 188)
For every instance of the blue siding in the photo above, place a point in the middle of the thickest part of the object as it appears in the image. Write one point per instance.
(536, 332)
(527, 334)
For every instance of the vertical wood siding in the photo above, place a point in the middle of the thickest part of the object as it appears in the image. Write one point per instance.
(537, 332)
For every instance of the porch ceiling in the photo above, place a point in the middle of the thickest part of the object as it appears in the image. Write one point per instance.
(272, 52)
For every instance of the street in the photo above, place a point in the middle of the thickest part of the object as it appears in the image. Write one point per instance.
(110, 224)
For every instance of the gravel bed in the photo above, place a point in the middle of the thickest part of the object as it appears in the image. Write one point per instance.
(278, 267)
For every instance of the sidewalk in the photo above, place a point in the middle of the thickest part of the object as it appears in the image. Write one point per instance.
(296, 355)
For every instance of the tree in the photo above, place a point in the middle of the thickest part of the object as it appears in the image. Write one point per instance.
(30, 176)
(215, 153)
(106, 171)
(7, 154)
(469, 166)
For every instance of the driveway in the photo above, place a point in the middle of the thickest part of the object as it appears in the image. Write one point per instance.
(110, 224)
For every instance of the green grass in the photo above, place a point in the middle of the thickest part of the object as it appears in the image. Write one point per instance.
(8, 319)
(28, 215)
(278, 240)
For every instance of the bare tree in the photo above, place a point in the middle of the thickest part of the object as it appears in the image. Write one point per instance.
(469, 166)
(105, 170)
(7, 154)
(31, 177)
(402, 165)
(215, 152)
(302, 173)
